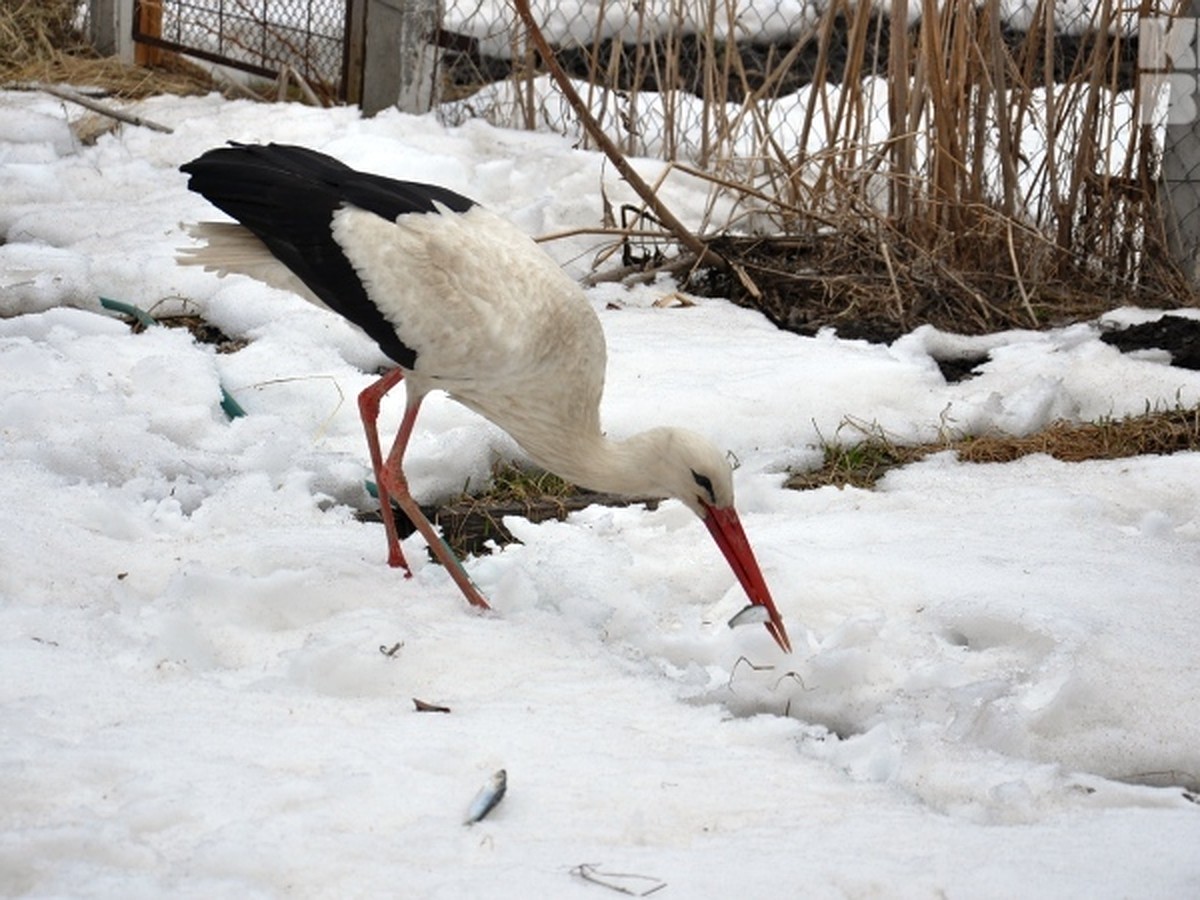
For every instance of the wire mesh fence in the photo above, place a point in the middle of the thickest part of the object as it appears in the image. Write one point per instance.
(1003, 133)
(257, 36)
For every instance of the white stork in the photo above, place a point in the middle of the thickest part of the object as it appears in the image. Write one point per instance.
(463, 302)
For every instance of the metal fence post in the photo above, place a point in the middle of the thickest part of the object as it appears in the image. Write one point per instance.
(400, 61)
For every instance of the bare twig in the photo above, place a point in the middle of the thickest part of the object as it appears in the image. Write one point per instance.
(290, 73)
(621, 233)
(891, 270)
(590, 872)
(73, 96)
(1016, 267)
(640, 273)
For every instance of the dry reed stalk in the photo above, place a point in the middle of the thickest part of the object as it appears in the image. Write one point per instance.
(850, 120)
(769, 159)
(669, 76)
(596, 85)
(1007, 149)
(628, 125)
(716, 81)
(901, 140)
(817, 93)
(635, 181)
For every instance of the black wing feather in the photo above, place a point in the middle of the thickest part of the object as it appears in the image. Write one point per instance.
(287, 195)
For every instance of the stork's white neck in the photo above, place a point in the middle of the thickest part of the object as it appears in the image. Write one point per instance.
(579, 453)
(627, 466)
(661, 462)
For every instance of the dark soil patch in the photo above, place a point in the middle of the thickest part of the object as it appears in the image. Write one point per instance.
(960, 368)
(204, 332)
(842, 280)
(1178, 335)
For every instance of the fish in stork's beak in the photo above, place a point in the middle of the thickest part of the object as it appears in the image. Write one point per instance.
(726, 528)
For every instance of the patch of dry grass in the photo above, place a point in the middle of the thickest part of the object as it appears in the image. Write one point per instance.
(35, 30)
(469, 522)
(40, 43)
(1153, 433)
(863, 461)
(859, 457)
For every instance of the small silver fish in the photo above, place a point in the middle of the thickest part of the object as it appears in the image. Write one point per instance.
(754, 614)
(488, 797)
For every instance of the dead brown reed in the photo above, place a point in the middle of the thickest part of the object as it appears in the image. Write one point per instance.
(989, 175)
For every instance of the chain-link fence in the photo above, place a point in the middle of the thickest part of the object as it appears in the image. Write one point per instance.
(257, 36)
(1028, 111)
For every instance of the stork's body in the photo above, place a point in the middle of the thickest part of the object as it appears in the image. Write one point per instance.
(463, 302)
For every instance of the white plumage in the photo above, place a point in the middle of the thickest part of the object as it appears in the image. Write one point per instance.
(463, 302)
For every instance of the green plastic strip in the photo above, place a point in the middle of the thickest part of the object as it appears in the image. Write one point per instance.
(231, 408)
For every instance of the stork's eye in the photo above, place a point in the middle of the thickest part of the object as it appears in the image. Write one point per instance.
(705, 484)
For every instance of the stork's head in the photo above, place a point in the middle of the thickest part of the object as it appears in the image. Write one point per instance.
(694, 471)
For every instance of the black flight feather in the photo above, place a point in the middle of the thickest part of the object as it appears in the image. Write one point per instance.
(287, 195)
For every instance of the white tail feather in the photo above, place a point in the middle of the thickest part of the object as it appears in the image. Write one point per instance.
(230, 248)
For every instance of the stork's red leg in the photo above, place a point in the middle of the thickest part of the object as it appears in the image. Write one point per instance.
(392, 485)
(368, 409)
(392, 476)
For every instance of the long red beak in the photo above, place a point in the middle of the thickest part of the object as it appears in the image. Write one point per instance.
(726, 529)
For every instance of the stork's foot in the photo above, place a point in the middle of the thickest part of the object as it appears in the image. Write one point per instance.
(445, 555)
(455, 567)
(395, 555)
(396, 487)
(392, 485)
(451, 562)
(397, 561)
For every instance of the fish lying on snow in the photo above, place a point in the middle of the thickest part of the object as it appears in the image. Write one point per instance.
(488, 797)
(750, 615)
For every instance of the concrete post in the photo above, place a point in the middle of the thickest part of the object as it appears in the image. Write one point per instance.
(1173, 47)
(110, 28)
(399, 59)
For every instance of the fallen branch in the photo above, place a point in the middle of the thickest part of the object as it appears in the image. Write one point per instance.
(640, 274)
(74, 96)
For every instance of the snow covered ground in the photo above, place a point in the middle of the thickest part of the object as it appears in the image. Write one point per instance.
(996, 684)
